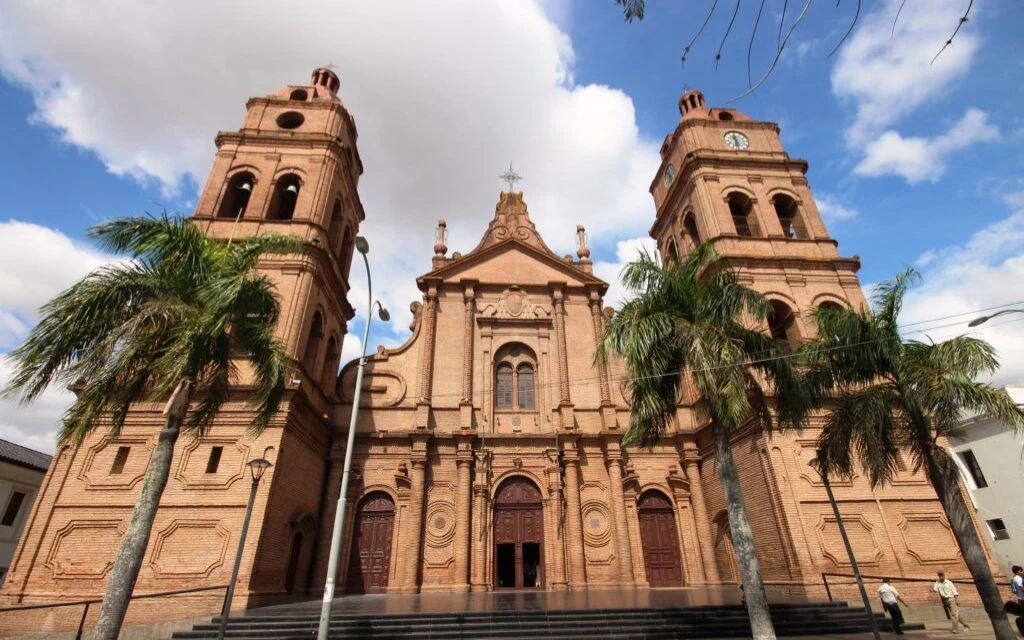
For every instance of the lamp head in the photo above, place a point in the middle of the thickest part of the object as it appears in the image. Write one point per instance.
(978, 321)
(383, 313)
(362, 246)
(258, 467)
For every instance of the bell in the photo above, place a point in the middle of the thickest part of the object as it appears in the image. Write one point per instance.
(292, 189)
(245, 186)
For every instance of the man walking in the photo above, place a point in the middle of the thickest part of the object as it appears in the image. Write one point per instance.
(891, 598)
(1017, 583)
(948, 594)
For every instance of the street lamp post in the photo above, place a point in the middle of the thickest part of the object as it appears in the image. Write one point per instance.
(983, 319)
(256, 467)
(339, 512)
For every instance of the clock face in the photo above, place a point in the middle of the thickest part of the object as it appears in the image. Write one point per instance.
(736, 140)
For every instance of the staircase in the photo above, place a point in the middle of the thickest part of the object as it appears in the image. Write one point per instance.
(574, 624)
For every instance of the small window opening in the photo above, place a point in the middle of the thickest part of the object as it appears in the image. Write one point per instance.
(672, 255)
(214, 461)
(524, 382)
(789, 217)
(316, 333)
(119, 459)
(670, 175)
(299, 94)
(286, 194)
(503, 387)
(13, 507)
(724, 115)
(290, 120)
(329, 375)
(236, 196)
(742, 210)
(974, 468)
(997, 528)
(347, 247)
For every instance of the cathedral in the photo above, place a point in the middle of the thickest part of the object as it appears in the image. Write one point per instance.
(487, 453)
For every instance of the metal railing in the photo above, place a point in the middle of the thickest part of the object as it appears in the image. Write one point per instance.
(828, 590)
(89, 603)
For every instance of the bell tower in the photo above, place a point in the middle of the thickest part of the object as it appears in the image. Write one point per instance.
(726, 179)
(293, 168)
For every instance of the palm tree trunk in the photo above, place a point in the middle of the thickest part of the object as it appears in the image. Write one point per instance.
(136, 539)
(945, 480)
(742, 538)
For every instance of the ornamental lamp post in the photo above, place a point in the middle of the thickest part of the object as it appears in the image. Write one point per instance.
(257, 468)
(339, 512)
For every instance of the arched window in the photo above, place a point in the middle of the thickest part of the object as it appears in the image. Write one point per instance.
(503, 386)
(347, 245)
(316, 333)
(515, 379)
(329, 376)
(742, 210)
(691, 236)
(282, 207)
(236, 196)
(672, 255)
(670, 175)
(334, 230)
(781, 322)
(829, 304)
(789, 217)
(724, 115)
(524, 386)
(299, 94)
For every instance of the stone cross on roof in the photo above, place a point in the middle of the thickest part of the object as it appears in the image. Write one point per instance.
(511, 177)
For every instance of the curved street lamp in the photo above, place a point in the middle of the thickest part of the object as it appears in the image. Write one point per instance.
(983, 319)
(339, 512)
(257, 468)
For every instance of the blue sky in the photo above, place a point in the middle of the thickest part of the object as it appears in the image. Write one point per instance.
(112, 111)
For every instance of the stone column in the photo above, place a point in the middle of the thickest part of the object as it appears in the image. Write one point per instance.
(415, 525)
(557, 570)
(463, 521)
(625, 554)
(429, 321)
(574, 520)
(479, 533)
(598, 320)
(563, 363)
(466, 403)
(691, 464)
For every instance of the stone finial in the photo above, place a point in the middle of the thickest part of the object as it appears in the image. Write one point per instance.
(691, 105)
(326, 79)
(582, 250)
(440, 248)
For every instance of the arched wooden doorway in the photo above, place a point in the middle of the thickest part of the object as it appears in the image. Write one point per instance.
(370, 562)
(660, 540)
(518, 535)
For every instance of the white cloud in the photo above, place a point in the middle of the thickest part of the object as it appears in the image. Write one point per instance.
(888, 75)
(445, 95)
(36, 263)
(918, 159)
(832, 210)
(33, 425)
(625, 251)
(983, 272)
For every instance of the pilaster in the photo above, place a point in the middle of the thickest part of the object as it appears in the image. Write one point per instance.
(466, 403)
(556, 573)
(480, 534)
(414, 538)
(574, 516)
(464, 491)
(691, 467)
(565, 406)
(427, 361)
(613, 457)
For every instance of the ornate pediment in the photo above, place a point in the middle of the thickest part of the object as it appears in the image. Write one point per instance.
(514, 304)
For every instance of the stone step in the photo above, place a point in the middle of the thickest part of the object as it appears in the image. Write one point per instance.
(573, 624)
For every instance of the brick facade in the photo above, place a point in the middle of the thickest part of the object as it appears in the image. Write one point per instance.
(497, 381)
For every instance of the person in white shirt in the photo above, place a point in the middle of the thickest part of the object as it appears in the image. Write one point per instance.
(1017, 583)
(891, 598)
(948, 594)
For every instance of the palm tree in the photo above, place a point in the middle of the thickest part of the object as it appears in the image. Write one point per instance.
(169, 323)
(692, 320)
(888, 394)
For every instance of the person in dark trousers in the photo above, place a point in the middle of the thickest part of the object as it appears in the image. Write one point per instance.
(891, 598)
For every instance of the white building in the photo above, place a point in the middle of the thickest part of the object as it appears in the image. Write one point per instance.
(991, 459)
(21, 473)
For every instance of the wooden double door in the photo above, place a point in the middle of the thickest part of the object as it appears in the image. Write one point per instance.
(518, 535)
(660, 540)
(370, 563)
